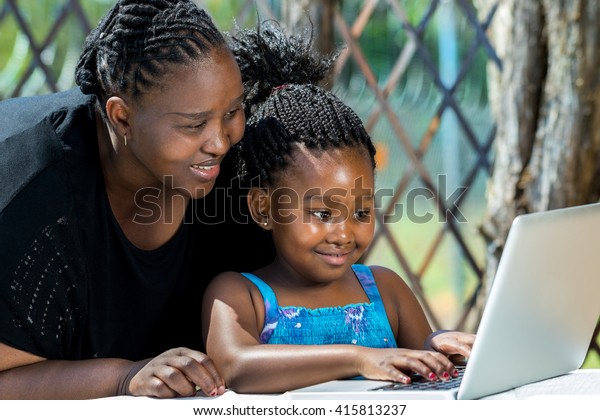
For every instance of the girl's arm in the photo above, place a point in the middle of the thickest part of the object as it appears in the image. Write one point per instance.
(408, 319)
(455, 344)
(233, 312)
(405, 313)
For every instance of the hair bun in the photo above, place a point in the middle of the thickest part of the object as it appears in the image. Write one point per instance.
(269, 58)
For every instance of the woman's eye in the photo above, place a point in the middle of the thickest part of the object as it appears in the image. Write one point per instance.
(198, 125)
(233, 112)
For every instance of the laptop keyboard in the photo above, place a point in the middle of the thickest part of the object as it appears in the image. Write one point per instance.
(420, 383)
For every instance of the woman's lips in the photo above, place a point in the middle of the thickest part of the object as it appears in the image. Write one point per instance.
(206, 171)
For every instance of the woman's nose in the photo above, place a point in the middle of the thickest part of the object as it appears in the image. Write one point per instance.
(218, 142)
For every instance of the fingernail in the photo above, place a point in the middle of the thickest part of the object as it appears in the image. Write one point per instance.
(213, 393)
(406, 380)
(432, 376)
(455, 373)
(445, 375)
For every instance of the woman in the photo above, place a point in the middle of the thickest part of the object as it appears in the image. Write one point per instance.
(107, 239)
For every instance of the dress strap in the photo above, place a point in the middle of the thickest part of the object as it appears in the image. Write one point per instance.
(270, 301)
(367, 281)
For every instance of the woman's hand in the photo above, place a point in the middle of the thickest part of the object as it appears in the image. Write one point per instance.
(451, 343)
(176, 372)
(397, 364)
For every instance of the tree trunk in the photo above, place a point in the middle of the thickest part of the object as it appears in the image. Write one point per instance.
(565, 163)
(546, 103)
(514, 95)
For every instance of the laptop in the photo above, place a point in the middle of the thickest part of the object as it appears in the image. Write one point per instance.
(538, 321)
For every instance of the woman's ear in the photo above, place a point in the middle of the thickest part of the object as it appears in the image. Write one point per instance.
(259, 203)
(118, 114)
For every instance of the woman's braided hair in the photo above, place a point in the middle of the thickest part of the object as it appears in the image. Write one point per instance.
(285, 104)
(136, 41)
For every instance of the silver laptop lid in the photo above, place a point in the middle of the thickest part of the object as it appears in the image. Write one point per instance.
(543, 305)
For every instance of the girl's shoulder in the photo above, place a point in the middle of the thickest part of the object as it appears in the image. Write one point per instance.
(231, 285)
(229, 280)
(380, 272)
(388, 281)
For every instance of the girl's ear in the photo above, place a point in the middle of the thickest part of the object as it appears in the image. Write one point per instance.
(259, 203)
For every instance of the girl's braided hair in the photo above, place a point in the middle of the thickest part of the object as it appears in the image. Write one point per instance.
(136, 41)
(285, 104)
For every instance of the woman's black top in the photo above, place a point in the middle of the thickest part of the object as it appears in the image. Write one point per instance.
(71, 285)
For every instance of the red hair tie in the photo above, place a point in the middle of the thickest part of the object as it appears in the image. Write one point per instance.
(278, 87)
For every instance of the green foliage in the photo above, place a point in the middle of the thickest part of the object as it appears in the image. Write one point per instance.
(592, 361)
(20, 71)
(382, 41)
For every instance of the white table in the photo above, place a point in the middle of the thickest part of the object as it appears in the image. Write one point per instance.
(569, 396)
(582, 383)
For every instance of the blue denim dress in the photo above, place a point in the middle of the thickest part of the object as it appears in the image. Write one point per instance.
(363, 324)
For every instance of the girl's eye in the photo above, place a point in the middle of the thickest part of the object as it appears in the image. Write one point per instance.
(322, 215)
(362, 215)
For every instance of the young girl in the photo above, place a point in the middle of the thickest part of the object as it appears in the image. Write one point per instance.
(313, 314)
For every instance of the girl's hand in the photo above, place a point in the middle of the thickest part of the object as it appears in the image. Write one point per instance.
(397, 364)
(451, 343)
(177, 372)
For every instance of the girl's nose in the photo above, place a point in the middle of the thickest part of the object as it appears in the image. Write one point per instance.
(340, 233)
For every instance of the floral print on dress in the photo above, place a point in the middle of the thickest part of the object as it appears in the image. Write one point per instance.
(354, 318)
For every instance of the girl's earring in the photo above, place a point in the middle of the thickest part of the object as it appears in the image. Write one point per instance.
(266, 222)
(125, 138)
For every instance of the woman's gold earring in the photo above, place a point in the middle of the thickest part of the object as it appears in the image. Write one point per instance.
(266, 222)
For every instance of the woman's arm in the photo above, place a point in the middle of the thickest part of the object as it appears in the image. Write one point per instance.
(60, 379)
(27, 376)
(231, 318)
(174, 373)
(11, 357)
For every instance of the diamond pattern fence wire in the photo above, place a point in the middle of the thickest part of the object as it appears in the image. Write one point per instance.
(415, 71)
